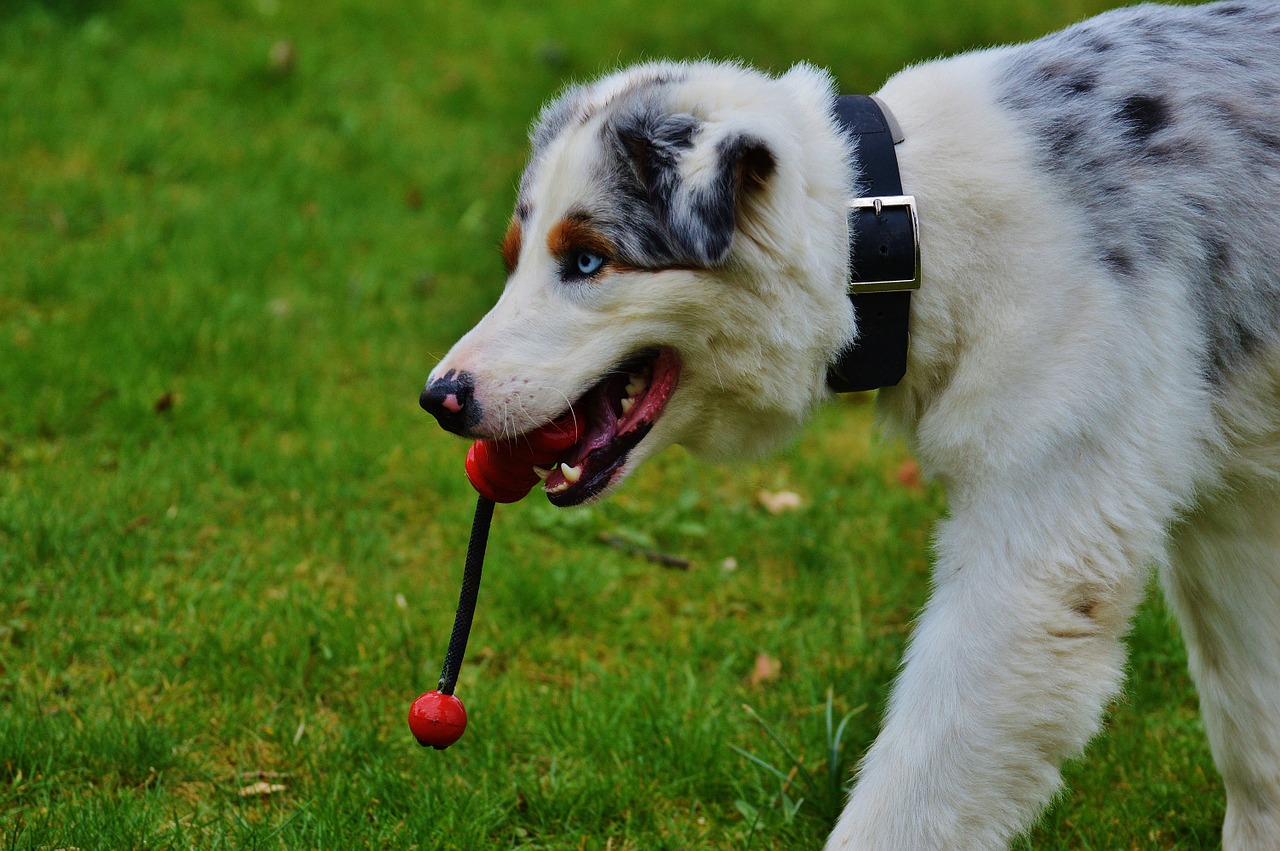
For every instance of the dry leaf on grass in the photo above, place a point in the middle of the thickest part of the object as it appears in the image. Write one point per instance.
(776, 502)
(909, 473)
(766, 669)
(282, 58)
(261, 789)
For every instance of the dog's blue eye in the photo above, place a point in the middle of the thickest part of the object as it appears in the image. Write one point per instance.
(588, 263)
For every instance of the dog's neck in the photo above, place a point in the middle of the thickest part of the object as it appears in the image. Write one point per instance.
(884, 252)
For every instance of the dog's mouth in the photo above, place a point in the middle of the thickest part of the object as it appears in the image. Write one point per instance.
(613, 416)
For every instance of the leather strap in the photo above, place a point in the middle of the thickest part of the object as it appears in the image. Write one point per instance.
(882, 248)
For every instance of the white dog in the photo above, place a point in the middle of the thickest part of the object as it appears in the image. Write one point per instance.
(1093, 373)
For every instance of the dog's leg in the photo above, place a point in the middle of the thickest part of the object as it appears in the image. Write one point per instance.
(1011, 664)
(1224, 583)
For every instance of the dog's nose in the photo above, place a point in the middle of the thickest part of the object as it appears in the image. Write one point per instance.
(449, 399)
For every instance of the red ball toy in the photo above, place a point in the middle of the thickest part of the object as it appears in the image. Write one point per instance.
(502, 470)
(437, 720)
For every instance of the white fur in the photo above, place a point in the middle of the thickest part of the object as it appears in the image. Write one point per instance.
(1075, 449)
(1060, 487)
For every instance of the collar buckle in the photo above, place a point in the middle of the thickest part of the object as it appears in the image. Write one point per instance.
(891, 220)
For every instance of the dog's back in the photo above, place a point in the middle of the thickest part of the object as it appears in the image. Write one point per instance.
(1164, 127)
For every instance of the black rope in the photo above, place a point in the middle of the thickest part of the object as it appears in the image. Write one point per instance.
(467, 598)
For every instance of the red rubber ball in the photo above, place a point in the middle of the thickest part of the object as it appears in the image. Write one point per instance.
(437, 720)
(495, 476)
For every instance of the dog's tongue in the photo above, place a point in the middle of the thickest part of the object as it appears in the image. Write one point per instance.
(502, 470)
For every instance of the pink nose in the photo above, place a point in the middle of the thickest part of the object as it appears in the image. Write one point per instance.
(450, 399)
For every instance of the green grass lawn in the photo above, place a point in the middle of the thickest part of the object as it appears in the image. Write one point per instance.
(234, 237)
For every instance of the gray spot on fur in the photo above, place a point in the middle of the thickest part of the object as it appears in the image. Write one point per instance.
(652, 217)
(1117, 259)
(645, 142)
(656, 218)
(1163, 125)
(1145, 116)
(576, 106)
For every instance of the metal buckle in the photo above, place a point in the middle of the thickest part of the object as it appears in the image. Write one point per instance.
(877, 203)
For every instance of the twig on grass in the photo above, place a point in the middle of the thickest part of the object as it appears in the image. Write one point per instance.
(660, 558)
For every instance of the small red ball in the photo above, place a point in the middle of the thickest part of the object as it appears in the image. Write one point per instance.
(502, 470)
(495, 475)
(437, 720)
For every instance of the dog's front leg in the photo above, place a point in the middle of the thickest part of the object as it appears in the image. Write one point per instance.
(1006, 675)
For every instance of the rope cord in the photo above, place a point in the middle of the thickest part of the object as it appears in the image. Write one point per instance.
(467, 598)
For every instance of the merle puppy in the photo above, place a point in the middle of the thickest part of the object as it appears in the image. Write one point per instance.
(1093, 371)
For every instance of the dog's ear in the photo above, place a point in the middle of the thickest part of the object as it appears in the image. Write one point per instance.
(698, 178)
(715, 202)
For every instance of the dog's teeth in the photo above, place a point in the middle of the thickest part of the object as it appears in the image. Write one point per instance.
(560, 488)
(541, 472)
(626, 405)
(636, 384)
(571, 474)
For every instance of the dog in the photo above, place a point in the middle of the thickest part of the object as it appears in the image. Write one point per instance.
(1093, 369)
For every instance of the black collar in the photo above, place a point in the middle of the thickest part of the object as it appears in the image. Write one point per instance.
(884, 253)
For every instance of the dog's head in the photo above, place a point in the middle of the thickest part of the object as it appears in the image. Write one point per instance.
(676, 268)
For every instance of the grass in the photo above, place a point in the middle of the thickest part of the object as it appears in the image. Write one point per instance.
(230, 543)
